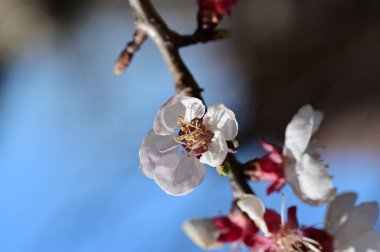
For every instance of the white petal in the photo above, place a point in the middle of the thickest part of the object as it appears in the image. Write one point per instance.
(368, 242)
(360, 220)
(178, 174)
(150, 151)
(310, 180)
(202, 232)
(166, 119)
(216, 152)
(255, 210)
(300, 130)
(338, 211)
(220, 118)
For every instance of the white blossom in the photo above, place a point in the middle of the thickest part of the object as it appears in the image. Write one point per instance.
(352, 226)
(306, 174)
(183, 137)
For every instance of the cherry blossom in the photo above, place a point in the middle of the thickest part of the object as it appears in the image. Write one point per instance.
(258, 228)
(348, 228)
(183, 137)
(279, 235)
(294, 163)
(352, 226)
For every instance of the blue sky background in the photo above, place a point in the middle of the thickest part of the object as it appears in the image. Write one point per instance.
(70, 133)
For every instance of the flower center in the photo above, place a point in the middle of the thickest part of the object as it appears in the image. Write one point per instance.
(293, 240)
(194, 136)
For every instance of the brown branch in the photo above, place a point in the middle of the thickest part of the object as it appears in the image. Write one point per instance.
(201, 36)
(237, 178)
(148, 20)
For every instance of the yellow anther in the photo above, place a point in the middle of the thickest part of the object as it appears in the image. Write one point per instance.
(180, 118)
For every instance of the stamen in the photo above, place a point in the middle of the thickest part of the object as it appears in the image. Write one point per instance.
(193, 135)
(168, 149)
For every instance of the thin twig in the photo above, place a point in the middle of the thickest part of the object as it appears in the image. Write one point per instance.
(200, 36)
(130, 49)
(148, 20)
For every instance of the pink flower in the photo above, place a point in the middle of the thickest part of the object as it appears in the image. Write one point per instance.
(219, 7)
(243, 225)
(280, 235)
(269, 167)
(348, 228)
(293, 163)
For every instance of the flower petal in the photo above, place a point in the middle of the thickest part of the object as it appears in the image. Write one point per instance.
(276, 186)
(272, 220)
(368, 242)
(217, 151)
(325, 240)
(229, 231)
(292, 222)
(202, 232)
(178, 174)
(338, 211)
(300, 130)
(166, 119)
(255, 210)
(310, 180)
(260, 243)
(150, 151)
(360, 220)
(220, 118)
(272, 148)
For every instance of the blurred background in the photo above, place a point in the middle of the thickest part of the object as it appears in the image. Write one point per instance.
(70, 130)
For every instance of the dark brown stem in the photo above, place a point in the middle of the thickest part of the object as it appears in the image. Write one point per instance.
(148, 20)
(201, 36)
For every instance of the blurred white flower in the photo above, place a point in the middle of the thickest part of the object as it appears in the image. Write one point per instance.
(293, 163)
(352, 226)
(183, 137)
(306, 174)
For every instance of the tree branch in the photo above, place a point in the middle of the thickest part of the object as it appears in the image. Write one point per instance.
(148, 20)
(168, 42)
(201, 36)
